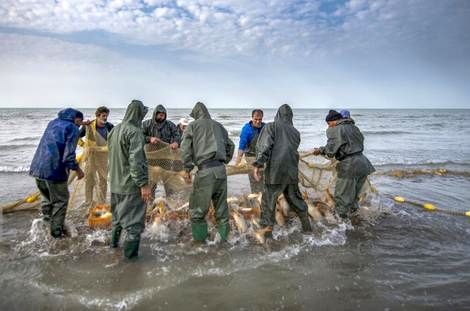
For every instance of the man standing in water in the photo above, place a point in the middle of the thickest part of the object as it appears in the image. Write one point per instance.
(345, 143)
(54, 159)
(128, 173)
(276, 151)
(247, 146)
(96, 134)
(158, 130)
(206, 145)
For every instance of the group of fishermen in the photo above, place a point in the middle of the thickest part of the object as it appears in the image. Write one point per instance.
(271, 149)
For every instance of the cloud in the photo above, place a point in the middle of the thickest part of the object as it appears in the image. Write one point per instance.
(269, 27)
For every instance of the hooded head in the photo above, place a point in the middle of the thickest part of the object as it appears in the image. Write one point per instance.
(345, 114)
(72, 115)
(135, 112)
(200, 111)
(159, 114)
(284, 114)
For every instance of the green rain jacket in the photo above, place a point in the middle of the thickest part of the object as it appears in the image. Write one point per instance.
(205, 139)
(346, 143)
(128, 170)
(166, 130)
(276, 149)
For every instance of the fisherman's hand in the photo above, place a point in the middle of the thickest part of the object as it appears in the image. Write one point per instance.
(80, 173)
(238, 160)
(187, 177)
(256, 173)
(316, 151)
(146, 193)
(154, 140)
(86, 122)
(174, 146)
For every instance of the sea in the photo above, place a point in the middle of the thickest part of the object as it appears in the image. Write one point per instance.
(408, 258)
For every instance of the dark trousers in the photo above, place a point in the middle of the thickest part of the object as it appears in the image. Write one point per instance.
(268, 202)
(55, 198)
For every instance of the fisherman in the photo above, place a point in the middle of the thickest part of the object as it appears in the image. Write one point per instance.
(345, 143)
(206, 145)
(276, 151)
(96, 134)
(54, 159)
(160, 132)
(182, 125)
(247, 146)
(128, 174)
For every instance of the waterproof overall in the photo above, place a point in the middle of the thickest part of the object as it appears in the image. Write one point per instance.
(250, 156)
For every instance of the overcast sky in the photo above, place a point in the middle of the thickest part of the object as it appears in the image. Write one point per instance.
(236, 53)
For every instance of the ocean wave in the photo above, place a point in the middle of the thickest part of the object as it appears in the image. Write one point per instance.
(410, 173)
(25, 139)
(16, 147)
(424, 164)
(382, 133)
(15, 169)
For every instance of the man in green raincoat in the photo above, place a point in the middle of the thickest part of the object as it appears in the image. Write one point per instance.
(206, 145)
(346, 143)
(128, 175)
(276, 150)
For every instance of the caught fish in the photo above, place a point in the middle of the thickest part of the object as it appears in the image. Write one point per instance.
(260, 235)
(280, 220)
(240, 222)
(283, 206)
(313, 212)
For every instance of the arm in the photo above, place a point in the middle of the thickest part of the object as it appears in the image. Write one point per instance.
(175, 136)
(146, 128)
(229, 149)
(187, 149)
(244, 140)
(333, 143)
(264, 145)
(137, 159)
(69, 156)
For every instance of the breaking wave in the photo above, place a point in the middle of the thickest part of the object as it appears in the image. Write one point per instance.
(15, 169)
(385, 133)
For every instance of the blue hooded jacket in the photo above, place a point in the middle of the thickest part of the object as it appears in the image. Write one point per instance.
(55, 154)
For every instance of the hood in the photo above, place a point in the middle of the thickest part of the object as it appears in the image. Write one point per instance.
(158, 109)
(135, 112)
(200, 112)
(69, 114)
(284, 114)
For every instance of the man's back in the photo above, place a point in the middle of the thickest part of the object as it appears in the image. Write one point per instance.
(277, 147)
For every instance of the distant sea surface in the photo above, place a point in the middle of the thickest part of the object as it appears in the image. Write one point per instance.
(410, 259)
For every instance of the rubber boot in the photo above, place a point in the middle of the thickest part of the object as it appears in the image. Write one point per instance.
(306, 226)
(223, 230)
(115, 236)
(199, 230)
(131, 249)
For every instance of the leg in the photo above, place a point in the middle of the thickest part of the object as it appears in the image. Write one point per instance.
(46, 204)
(345, 196)
(219, 200)
(359, 183)
(255, 186)
(116, 226)
(59, 193)
(296, 202)
(131, 210)
(199, 201)
(102, 174)
(268, 204)
(90, 175)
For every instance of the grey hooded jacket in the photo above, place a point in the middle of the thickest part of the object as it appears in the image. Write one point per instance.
(276, 149)
(167, 131)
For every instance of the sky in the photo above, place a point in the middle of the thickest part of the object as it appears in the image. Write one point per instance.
(235, 53)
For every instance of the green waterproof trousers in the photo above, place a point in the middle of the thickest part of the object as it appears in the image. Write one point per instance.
(346, 195)
(209, 185)
(128, 212)
(294, 199)
(55, 198)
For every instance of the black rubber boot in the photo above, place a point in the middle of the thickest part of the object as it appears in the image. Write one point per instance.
(131, 249)
(115, 236)
(306, 226)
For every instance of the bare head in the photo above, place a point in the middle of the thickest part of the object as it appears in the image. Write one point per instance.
(101, 114)
(257, 117)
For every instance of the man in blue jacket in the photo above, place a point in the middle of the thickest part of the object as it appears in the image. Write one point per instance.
(52, 162)
(247, 146)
